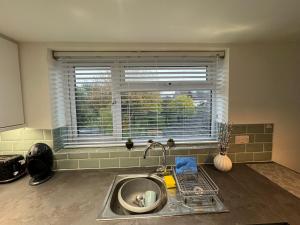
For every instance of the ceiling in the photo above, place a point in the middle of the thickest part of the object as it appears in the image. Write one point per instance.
(185, 21)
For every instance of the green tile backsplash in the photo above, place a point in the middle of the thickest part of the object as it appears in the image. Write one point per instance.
(89, 163)
(129, 162)
(110, 163)
(19, 141)
(254, 147)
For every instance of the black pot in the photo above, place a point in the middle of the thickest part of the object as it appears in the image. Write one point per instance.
(129, 144)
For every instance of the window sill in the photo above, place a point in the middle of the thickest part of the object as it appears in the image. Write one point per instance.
(140, 147)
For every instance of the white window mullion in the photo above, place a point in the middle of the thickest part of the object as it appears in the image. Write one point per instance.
(116, 100)
(70, 78)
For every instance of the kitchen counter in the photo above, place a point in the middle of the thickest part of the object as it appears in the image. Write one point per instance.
(283, 176)
(76, 197)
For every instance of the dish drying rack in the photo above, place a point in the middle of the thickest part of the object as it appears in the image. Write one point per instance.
(196, 187)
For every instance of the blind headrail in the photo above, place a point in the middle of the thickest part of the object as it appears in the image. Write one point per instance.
(60, 55)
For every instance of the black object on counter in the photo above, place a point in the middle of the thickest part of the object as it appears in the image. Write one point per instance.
(39, 161)
(129, 144)
(12, 167)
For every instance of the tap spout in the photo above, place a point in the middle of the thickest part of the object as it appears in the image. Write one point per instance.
(146, 151)
(149, 146)
(152, 144)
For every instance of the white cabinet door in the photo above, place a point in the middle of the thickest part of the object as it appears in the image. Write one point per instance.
(11, 106)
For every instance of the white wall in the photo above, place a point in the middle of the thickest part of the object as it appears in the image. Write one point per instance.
(264, 86)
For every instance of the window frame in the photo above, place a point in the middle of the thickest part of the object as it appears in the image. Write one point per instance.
(117, 89)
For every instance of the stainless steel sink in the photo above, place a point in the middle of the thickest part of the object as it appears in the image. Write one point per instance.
(116, 207)
(172, 204)
(132, 195)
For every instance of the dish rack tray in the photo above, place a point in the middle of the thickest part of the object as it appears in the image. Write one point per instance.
(192, 184)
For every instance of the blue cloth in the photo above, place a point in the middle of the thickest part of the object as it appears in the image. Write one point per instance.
(186, 164)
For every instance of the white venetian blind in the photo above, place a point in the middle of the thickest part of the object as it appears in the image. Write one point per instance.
(111, 97)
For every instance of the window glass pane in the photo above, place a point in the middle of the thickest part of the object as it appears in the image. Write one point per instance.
(93, 97)
(165, 73)
(181, 115)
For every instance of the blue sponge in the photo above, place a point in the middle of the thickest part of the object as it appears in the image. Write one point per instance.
(186, 164)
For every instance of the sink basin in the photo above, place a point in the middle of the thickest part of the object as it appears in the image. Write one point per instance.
(154, 183)
(132, 190)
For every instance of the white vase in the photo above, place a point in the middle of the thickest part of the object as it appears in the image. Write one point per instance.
(222, 162)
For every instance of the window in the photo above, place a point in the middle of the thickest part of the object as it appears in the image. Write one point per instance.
(110, 99)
